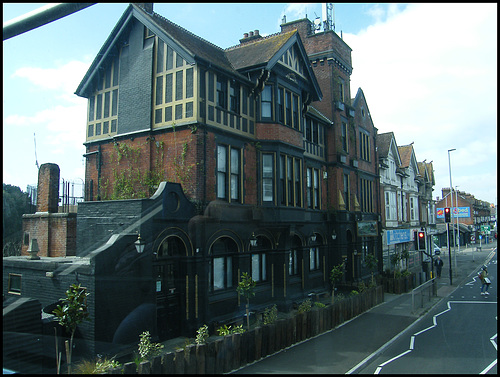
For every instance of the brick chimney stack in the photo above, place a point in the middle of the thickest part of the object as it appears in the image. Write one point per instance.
(251, 36)
(48, 188)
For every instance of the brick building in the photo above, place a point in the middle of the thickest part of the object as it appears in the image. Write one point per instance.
(470, 213)
(249, 159)
(54, 232)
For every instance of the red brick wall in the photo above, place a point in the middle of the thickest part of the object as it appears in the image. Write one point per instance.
(48, 188)
(267, 131)
(174, 156)
(55, 234)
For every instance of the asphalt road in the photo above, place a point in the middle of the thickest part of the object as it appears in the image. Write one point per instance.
(459, 335)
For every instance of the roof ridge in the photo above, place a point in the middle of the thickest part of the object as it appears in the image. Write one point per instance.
(259, 40)
(186, 31)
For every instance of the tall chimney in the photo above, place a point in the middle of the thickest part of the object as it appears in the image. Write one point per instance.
(48, 188)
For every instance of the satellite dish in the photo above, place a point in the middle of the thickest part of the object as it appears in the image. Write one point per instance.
(317, 23)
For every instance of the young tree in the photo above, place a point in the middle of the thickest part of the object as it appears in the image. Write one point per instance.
(246, 289)
(371, 263)
(71, 313)
(335, 276)
(395, 259)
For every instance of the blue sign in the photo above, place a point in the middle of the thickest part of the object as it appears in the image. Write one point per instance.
(457, 212)
(398, 236)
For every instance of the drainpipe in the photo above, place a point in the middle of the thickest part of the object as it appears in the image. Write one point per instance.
(98, 164)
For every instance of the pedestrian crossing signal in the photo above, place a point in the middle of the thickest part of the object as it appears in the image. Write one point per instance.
(447, 215)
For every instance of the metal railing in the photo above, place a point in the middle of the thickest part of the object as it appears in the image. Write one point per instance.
(423, 291)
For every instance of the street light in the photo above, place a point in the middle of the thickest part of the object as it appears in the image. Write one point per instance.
(447, 225)
(458, 226)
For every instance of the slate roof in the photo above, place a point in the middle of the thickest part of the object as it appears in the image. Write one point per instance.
(259, 52)
(405, 155)
(196, 46)
(384, 143)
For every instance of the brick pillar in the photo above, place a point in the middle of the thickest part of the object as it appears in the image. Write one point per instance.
(48, 188)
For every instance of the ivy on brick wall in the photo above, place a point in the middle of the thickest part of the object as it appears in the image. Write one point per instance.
(130, 181)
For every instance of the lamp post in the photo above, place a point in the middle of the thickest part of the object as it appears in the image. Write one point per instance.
(458, 227)
(451, 195)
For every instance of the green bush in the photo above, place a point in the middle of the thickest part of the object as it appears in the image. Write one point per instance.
(362, 287)
(340, 296)
(202, 335)
(95, 367)
(354, 293)
(227, 330)
(147, 349)
(319, 305)
(270, 315)
(305, 306)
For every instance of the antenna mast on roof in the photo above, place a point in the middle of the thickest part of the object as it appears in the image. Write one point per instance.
(328, 16)
(36, 158)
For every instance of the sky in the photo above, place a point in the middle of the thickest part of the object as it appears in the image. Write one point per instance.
(428, 72)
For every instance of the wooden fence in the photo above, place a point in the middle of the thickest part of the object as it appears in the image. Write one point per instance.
(234, 351)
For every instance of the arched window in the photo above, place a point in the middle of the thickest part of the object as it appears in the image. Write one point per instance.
(221, 264)
(172, 246)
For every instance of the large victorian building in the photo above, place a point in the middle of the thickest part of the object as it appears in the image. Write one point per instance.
(249, 159)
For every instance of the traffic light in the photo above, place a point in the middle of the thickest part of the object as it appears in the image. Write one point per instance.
(447, 215)
(421, 240)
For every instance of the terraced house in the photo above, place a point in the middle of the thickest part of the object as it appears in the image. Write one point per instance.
(204, 163)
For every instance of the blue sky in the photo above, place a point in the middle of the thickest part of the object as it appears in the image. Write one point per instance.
(428, 71)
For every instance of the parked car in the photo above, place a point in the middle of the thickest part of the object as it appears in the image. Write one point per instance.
(437, 250)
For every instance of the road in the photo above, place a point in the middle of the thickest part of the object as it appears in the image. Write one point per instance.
(459, 335)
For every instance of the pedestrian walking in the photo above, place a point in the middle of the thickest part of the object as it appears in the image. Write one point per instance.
(439, 266)
(485, 281)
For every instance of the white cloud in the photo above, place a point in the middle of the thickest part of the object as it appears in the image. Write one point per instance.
(64, 78)
(429, 74)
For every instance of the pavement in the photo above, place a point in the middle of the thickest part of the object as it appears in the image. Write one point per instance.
(348, 347)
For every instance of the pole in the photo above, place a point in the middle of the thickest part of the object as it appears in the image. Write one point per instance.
(458, 227)
(452, 211)
(449, 251)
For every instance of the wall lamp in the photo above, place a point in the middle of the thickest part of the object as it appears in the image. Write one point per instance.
(253, 240)
(334, 236)
(140, 244)
(313, 237)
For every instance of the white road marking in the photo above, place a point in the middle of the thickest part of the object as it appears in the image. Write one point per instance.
(434, 321)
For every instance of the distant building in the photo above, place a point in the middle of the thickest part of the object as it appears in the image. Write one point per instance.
(406, 187)
(472, 215)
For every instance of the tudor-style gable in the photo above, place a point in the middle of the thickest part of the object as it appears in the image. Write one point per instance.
(263, 55)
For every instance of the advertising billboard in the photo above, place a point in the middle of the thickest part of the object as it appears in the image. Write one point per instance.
(457, 212)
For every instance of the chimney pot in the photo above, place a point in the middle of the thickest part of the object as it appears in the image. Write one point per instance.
(256, 32)
(245, 35)
(251, 33)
